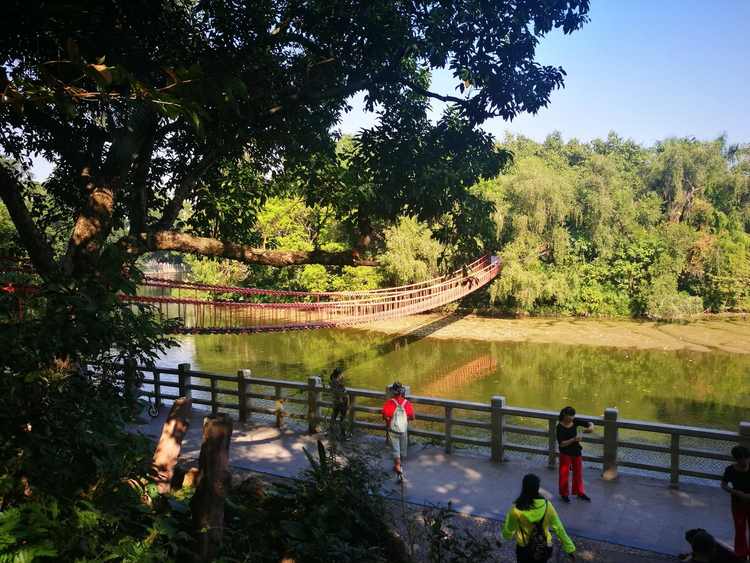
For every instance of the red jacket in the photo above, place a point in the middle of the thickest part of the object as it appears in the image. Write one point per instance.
(389, 407)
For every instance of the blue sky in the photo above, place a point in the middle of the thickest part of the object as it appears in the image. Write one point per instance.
(647, 69)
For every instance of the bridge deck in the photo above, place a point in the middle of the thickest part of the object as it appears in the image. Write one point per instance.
(634, 511)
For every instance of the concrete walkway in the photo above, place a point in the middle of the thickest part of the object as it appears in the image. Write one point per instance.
(635, 511)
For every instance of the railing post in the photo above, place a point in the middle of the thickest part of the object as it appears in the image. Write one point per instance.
(448, 429)
(183, 380)
(242, 376)
(313, 407)
(497, 424)
(674, 466)
(551, 443)
(352, 412)
(609, 468)
(744, 432)
(157, 388)
(214, 396)
(129, 377)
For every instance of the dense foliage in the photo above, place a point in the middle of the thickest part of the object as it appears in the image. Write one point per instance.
(613, 228)
(607, 228)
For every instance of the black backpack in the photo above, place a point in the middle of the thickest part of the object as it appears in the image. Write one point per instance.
(537, 547)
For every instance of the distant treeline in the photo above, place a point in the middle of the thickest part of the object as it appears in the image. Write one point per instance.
(614, 228)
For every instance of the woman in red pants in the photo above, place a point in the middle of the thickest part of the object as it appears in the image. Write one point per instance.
(569, 443)
(738, 476)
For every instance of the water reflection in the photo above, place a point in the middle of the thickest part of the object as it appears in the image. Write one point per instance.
(693, 388)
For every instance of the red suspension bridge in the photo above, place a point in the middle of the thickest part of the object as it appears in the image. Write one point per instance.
(239, 310)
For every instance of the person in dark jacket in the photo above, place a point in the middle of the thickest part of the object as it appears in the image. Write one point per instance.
(340, 401)
(569, 444)
(736, 481)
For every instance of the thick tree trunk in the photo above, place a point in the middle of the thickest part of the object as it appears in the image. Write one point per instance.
(181, 242)
(92, 226)
(213, 484)
(169, 446)
(32, 238)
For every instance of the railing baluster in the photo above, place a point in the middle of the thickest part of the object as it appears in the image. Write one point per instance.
(448, 429)
(313, 403)
(183, 379)
(157, 388)
(242, 376)
(214, 396)
(498, 423)
(674, 466)
(609, 467)
(551, 443)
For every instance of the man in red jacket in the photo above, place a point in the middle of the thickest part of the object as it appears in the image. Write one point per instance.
(397, 411)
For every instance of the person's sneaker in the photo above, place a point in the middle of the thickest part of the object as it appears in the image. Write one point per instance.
(584, 497)
(565, 498)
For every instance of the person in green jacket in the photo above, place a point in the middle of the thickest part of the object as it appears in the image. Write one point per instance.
(529, 509)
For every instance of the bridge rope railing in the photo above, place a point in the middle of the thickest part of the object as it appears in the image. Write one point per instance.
(201, 315)
(152, 281)
(205, 315)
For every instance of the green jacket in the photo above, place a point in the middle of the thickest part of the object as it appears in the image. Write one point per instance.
(520, 523)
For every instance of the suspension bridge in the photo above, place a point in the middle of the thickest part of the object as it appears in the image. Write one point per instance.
(216, 309)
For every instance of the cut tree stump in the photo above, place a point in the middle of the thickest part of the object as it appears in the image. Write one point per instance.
(207, 505)
(170, 443)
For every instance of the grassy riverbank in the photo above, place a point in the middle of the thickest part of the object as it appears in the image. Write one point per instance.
(723, 334)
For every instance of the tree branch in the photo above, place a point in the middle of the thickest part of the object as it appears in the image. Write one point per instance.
(181, 242)
(182, 191)
(430, 94)
(32, 238)
(140, 199)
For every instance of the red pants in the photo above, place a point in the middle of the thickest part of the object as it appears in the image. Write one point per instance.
(566, 461)
(741, 515)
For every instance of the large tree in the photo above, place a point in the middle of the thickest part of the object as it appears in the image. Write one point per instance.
(145, 106)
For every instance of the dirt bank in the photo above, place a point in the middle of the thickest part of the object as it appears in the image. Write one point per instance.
(724, 334)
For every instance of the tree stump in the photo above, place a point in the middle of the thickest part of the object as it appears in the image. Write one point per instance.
(207, 505)
(170, 443)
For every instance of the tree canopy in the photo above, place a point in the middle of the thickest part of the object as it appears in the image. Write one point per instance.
(146, 106)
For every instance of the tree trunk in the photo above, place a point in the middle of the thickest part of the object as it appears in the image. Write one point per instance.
(213, 484)
(170, 443)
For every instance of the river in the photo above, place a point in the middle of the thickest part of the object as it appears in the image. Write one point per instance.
(686, 387)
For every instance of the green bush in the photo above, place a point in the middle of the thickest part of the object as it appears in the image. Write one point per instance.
(664, 302)
(332, 513)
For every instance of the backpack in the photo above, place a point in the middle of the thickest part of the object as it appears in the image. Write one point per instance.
(537, 547)
(400, 421)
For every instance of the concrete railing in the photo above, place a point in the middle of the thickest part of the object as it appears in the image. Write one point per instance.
(490, 422)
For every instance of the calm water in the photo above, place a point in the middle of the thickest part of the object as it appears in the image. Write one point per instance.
(693, 388)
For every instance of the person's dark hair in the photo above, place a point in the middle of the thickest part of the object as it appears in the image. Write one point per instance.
(398, 389)
(567, 411)
(740, 452)
(702, 542)
(529, 492)
(336, 372)
(690, 534)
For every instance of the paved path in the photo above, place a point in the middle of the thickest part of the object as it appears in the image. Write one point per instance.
(634, 511)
